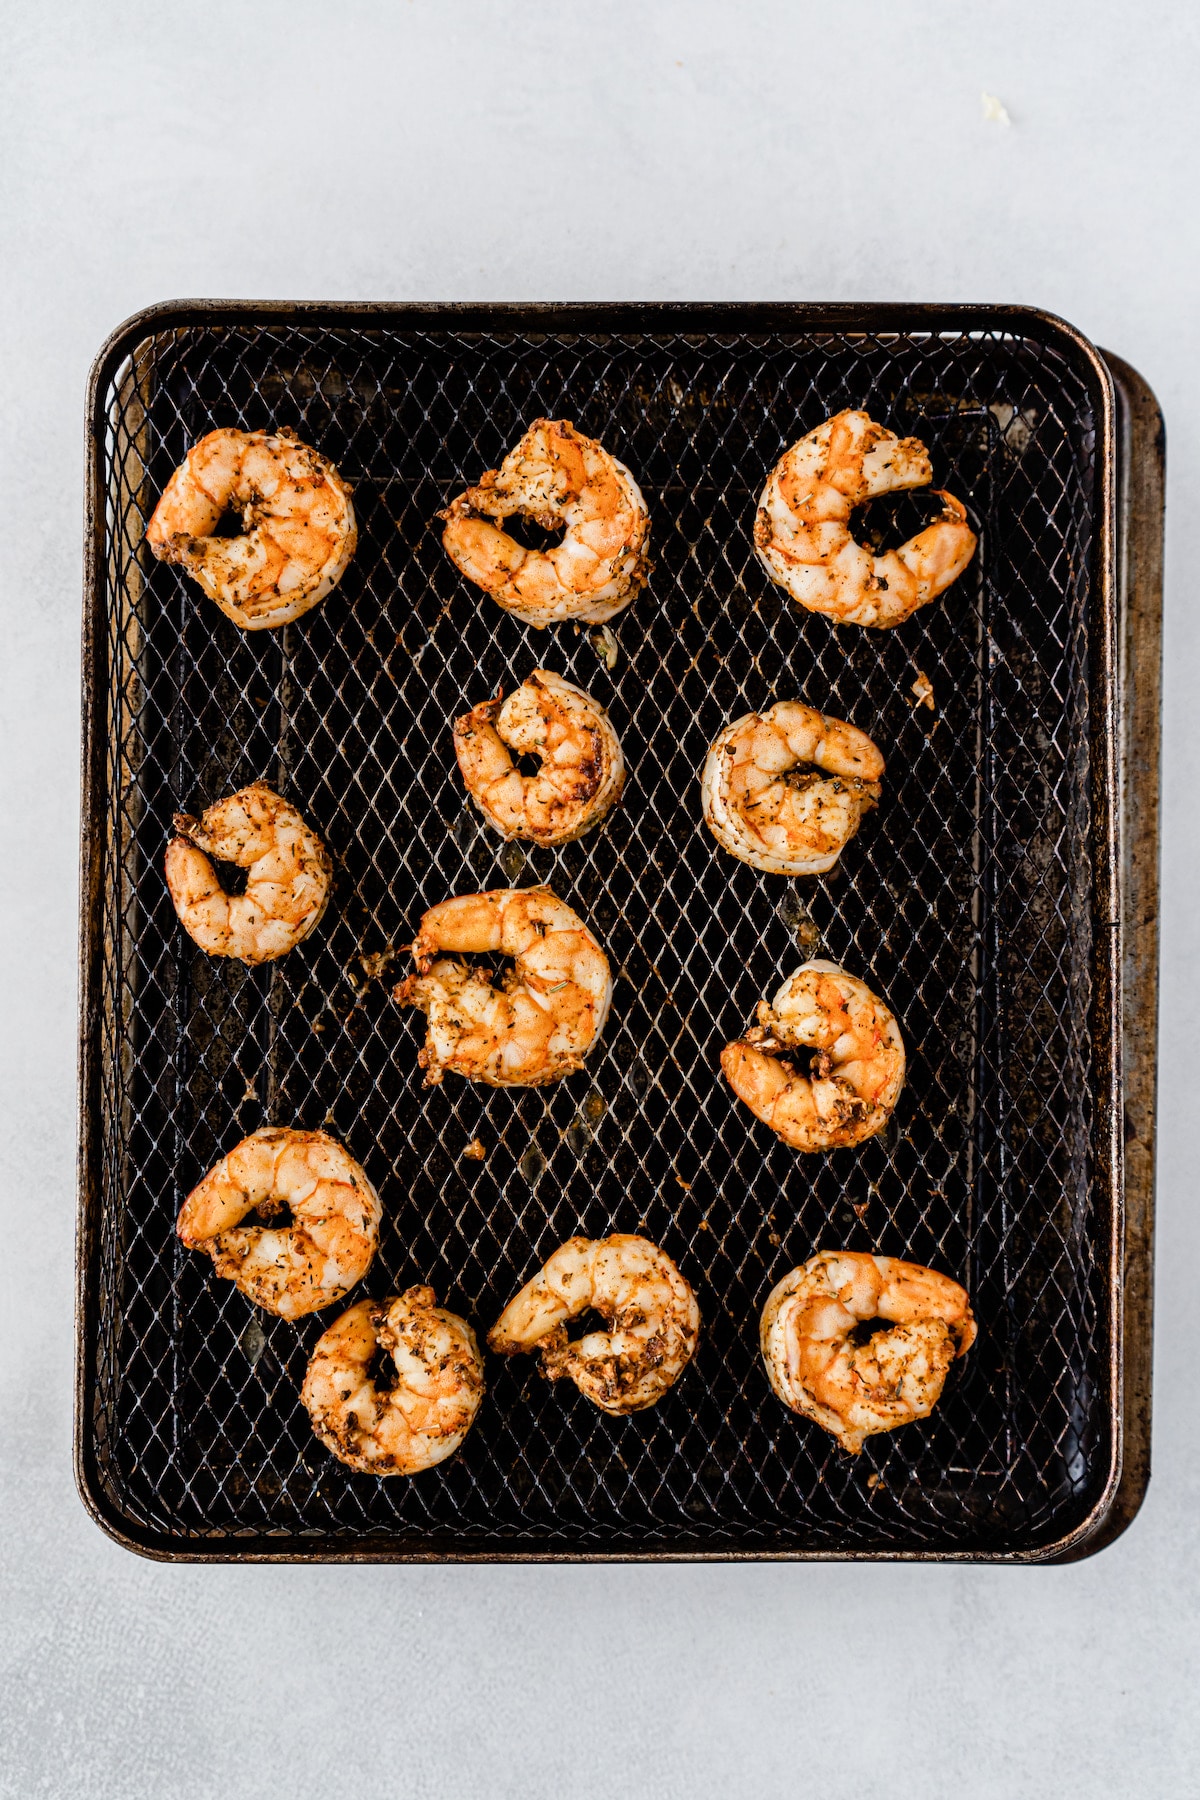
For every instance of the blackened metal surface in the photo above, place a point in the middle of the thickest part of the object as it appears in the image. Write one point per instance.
(979, 899)
(1141, 478)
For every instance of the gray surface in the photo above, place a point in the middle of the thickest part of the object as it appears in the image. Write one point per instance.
(412, 150)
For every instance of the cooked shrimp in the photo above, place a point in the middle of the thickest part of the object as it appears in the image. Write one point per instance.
(855, 1074)
(298, 525)
(310, 1262)
(422, 1414)
(286, 889)
(582, 770)
(785, 790)
(549, 1009)
(555, 476)
(802, 531)
(855, 1389)
(650, 1310)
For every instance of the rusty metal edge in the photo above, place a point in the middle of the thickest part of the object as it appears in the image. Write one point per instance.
(1141, 474)
(717, 318)
(91, 826)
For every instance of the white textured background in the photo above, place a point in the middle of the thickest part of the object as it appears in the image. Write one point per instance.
(644, 149)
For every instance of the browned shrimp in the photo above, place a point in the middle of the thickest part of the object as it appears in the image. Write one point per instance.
(556, 477)
(299, 531)
(419, 1416)
(289, 875)
(785, 790)
(582, 770)
(319, 1250)
(855, 1389)
(855, 1060)
(802, 531)
(650, 1310)
(540, 1021)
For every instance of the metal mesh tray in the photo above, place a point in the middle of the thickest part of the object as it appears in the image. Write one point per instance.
(980, 899)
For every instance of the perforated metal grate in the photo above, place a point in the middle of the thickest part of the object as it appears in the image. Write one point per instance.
(966, 900)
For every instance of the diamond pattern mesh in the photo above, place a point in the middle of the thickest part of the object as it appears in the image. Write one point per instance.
(965, 899)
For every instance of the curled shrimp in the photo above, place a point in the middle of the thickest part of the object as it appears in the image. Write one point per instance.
(854, 1389)
(422, 1414)
(650, 1310)
(323, 1249)
(802, 530)
(298, 525)
(286, 888)
(554, 476)
(785, 790)
(856, 1066)
(582, 770)
(549, 1009)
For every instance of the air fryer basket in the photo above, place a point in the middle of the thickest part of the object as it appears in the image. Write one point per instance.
(980, 898)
